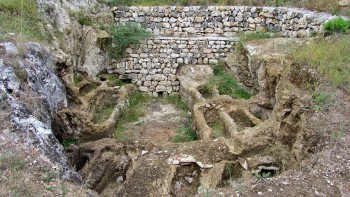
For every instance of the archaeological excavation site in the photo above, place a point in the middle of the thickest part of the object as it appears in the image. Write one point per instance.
(134, 98)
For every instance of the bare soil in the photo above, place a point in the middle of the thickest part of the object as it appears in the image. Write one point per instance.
(160, 124)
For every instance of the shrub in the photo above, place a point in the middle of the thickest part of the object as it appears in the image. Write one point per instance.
(338, 25)
(125, 35)
(85, 21)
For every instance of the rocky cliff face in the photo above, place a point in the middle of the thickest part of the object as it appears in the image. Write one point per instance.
(76, 45)
(32, 89)
(30, 81)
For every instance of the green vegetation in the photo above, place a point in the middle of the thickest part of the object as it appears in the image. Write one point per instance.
(175, 99)
(101, 115)
(69, 141)
(11, 162)
(77, 78)
(22, 16)
(218, 130)
(224, 83)
(246, 37)
(125, 35)
(113, 80)
(85, 21)
(340, 133)
(113, 3)
(319, 99)
(331, 57)
(338, 25)
(135, 111)
(12, 169)
(185, 133)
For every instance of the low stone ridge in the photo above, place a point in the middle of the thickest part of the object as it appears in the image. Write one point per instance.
(153, 65)
(222, 20)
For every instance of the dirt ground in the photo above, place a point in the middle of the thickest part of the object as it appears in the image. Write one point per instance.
(160, 124)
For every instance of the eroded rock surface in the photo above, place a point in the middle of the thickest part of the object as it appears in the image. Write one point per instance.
(272, 143)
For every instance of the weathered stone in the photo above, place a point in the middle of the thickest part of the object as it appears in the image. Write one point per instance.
(160, 88)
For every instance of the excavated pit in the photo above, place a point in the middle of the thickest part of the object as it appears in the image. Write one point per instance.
(238, 139)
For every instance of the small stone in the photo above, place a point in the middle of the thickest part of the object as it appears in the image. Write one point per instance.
(180, 60)
(120, 179)
(143, 152)
(204, 166)
(189, 179)
(187, 159)
(259, 193)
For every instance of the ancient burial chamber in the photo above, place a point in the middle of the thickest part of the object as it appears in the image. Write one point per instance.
(266, 133)
(274, 142)
(199, 35)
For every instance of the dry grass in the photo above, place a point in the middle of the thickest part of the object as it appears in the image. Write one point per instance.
(26, 172)
(22, 17)
(330, 56)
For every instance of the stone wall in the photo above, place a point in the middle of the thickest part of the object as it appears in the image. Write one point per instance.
(153, 65)
(222, 21)
(199, 35)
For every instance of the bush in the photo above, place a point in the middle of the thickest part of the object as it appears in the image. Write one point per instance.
(85, 21)
(125, 35)
(338, 25)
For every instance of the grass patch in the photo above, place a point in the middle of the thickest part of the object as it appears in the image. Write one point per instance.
(224, 83)
(13, 168)
(103, 114)
(125, 35)
(331, 57)
(218, 130)
(319, 100)
(176, 100)
(77, 78)
(113, 80)
(22, 17)
(246, 37)
(185, 133)
(11, 162)
(135, 111)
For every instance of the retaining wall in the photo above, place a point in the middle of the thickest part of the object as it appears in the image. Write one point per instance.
(199, 35)
(222, 20)
(153, 65)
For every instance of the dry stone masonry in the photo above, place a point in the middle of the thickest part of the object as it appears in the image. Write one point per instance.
(222, 20)
(153, 65)
(199, 35)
